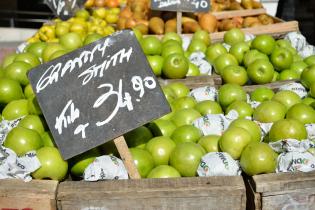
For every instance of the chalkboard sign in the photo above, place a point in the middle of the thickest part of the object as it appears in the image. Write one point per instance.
(64, 9)
(97, 93)
(181, 5)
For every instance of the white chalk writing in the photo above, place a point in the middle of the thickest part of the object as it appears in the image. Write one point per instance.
(63, 120)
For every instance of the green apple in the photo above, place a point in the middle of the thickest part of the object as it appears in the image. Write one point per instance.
(308, 100)
(15, 109)
(269, 111)
(175, 66)
(18, 71)
(251, 127)
(288, 74)
(10, 90)
(8, 60)
(203, 36)
(32, 122)
(22, 140)
(79, 163)
(143, 161)
(36, 48)
(186, 133)
(301, 112)
(241, 107)
(169, 49)
(151, 45)
(50, 49)
(214, 51)
(179, 89)
(281, 58)
(52, 164)
(229, 93)
(193, 70)
(28, 58)
(184, 102)
(58, 54)
(287, 129)
(223, 61)
(210, 143)
(310, 60)
(162, 127)
(283, 43)
(163, 171)
(298, 67)
(234, 36)
(275, 76)
(253, 55)
(260, 71)
(160, 148)
(172, 36)
(185, 117)
(71, 41)
(239, 50)
(287, 98)
(261, 94)
(138, 137)
(312, 90)
(185, 158)
(92, 38)
(33, 106)
(169, 93)
(264, 43)
(47, 139)
(156, 63)
(258, 158)
(308, 76)
(234, 140)
(208, 107)
(28, 91)
(197, 45)
(234, 74)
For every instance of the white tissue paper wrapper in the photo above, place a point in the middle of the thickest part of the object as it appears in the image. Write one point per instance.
(249, 37)
(12, 166)
(199, 59)
(215, 124)
(106, 167)
(297, 40)
(298, 88)
(291, 145)
(218, 164)
(264, 127)
(227, 46)
(204, 93)
(296, 161)
(254, 104)
(310, 128)
(21, 47)
(185, 41)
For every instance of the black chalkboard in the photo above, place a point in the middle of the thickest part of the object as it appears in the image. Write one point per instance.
(64, 9)
(181, 5)
(97, 93)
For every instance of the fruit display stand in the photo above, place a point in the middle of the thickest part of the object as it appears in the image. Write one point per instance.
(195, 81)
(35, 195)
(277, 28)
(177, 193)
(281, 191)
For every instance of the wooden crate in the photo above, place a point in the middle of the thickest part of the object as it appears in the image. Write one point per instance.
(281, 191)
(35, 195)
(216, 193)
(195, 81)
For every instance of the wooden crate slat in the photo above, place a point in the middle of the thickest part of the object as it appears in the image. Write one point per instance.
(195, 81)
(35, 195)
(180, 193)
(238, 13)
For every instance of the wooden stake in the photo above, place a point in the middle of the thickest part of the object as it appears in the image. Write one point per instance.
(126, 157)
(179, 22)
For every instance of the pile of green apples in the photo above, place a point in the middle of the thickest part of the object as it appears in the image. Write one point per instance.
(258, 61)
(167, 57)
(172, 146)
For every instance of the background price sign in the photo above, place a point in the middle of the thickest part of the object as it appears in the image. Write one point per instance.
(63, 8)
(181, 5)
(97, 93)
